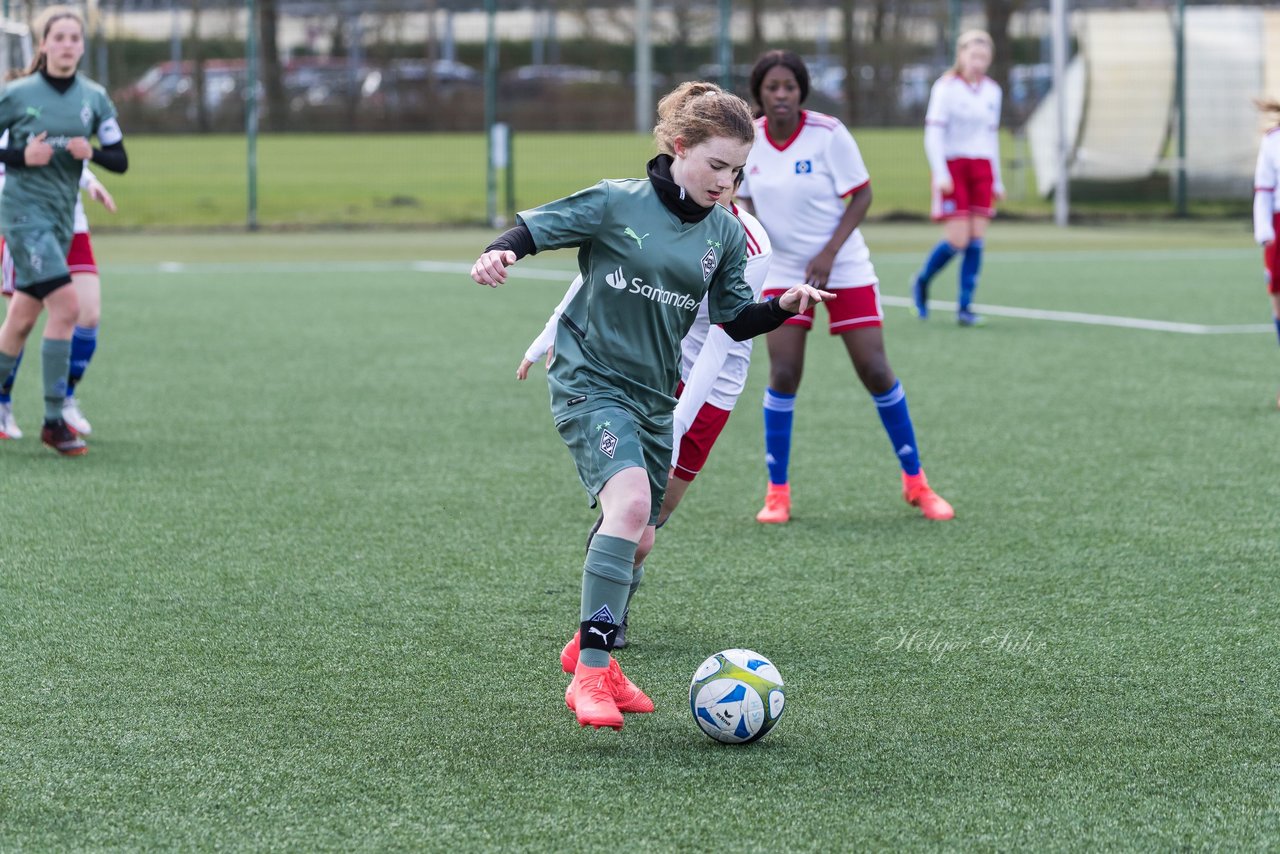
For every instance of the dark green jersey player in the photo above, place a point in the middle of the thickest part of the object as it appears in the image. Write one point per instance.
(649, 251)
(50, 114)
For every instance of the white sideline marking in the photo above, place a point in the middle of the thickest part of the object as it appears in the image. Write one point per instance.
(455, 267)
(1091, 319)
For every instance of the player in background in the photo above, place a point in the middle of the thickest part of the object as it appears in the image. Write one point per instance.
(84, 278)
(962, 142)
(1266, 206)
(713, 372)
(649, 251)
(50, 113)
(810, 189)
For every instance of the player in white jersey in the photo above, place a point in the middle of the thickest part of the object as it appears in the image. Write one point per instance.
(807, 183)
(1266, 207)
(962, 143)
(84, 278)
(713, 372)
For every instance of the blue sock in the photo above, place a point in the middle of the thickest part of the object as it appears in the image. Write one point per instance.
(84, 340)
(778, 411)
(938, 258)
(1277, 334)
(6, 390)
(892, 406)
(969, 269)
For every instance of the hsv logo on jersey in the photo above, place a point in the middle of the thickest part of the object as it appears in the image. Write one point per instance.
(804, 167)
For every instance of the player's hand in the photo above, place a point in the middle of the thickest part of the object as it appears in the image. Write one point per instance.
(99, 193)
(38, 152)
(491, 267)
(522, 372)
(997, 193)
(799, 298)
(818, 271)
(79, 148)
(944, 185)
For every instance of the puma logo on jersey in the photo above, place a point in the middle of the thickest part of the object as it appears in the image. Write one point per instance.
(34, 112)
(629, 232)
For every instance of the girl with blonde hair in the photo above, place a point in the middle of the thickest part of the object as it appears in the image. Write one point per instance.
(649, 251)
(962, 143)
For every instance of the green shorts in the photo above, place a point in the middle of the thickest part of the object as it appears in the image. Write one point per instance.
(606, 441)
(39, 255)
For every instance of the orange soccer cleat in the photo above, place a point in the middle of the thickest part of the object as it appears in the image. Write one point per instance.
(626, 693)
(591, 698)
(777, 505)
(917, 492)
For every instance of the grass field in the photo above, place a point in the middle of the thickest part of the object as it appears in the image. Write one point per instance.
(307, 590)
(432, 179)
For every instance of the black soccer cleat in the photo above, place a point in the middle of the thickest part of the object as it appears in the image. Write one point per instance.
(61, 438)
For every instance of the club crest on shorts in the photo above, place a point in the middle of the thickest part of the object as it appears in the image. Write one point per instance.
(708, 263)
(608, 443)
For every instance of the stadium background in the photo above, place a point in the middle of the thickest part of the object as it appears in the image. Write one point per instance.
(383, 102)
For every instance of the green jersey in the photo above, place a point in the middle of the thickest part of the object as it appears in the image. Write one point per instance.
(644, 273)
(45, 196)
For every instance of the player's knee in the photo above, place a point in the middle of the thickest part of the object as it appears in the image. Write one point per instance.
(631, 513)
(20, 325)
(876, 374)
(784, 378)
(90, 317)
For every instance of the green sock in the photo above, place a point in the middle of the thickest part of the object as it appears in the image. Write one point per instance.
(606, 585)
(636, 577)
(55, 361)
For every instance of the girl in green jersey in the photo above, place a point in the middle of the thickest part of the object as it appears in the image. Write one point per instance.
(649, 251)
(50, 113)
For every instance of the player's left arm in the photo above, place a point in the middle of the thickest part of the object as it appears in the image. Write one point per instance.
(111, 156)
(732, 305)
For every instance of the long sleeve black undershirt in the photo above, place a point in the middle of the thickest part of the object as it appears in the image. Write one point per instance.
(518, 240)
(757, 319)
(113, 158)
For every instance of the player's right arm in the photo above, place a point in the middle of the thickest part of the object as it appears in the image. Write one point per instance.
(570, 221)
(935, 134)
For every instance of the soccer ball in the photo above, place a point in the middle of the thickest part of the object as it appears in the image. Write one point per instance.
(736, 696)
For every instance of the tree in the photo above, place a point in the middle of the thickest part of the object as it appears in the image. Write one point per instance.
(272, 73)
(999, 12)
(848, 43)
(757, 28)
(197, 69)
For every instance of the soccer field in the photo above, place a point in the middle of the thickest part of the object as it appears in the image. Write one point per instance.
(308, 588)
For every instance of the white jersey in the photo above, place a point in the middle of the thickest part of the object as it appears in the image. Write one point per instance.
(799, 190)
(712, 365)
(1266, 201)
(81, 221)
(963, 121)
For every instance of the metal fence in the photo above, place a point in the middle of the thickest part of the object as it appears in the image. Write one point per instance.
(575, 83)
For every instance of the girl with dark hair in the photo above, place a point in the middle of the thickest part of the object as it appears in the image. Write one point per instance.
(50, 114)
(807, 184)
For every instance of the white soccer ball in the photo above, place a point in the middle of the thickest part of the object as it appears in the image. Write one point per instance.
(736, 696)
